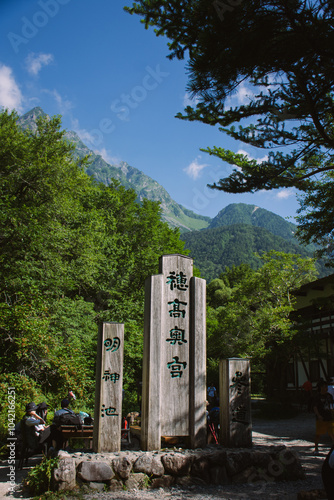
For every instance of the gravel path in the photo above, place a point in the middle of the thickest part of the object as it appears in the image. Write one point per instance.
(297, 433)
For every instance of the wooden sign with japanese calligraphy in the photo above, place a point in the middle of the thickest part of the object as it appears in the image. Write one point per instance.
(109, 384)
(174, 362)
(235, 403)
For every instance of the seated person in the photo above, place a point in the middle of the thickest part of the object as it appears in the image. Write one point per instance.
(42, 410)
(37, 432)
(64, 409)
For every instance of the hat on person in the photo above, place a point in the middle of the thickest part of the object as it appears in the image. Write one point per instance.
(31, 407)
(65, 403)
(43, 406)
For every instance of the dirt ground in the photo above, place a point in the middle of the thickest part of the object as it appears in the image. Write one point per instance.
(296, 433)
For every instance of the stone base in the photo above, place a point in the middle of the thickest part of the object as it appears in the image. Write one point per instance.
(156, 469)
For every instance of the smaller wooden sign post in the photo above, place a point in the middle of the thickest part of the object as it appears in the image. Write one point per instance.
(109, 384)
(235, 403)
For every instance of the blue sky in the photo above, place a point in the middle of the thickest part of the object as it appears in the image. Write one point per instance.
(110, 80)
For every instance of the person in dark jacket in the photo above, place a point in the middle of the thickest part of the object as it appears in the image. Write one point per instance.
(322, 407)
(327, 474)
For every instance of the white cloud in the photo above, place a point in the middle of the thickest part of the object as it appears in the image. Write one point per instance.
(10, 93)
(195, 168)
(259, 160)
(85, 135)
(63, 104)
(243, 95)
(285, 193)
(188, 101)
(35, 62)
(112, 160)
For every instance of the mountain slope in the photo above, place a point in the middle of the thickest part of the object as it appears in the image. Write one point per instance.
(251, 215)
(232, 237)
(172, 212)
(214, 249)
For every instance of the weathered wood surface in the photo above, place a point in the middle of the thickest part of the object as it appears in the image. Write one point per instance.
(109, 383)
(235, 403)
(150, 410)
(197, 417)
(174, 361)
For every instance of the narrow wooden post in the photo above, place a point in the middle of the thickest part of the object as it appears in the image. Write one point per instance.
(109, 384)
(197, 417)
(150, 409)
(235, 403)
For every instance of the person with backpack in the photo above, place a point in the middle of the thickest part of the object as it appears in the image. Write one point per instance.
(66, 416)
(65, 410)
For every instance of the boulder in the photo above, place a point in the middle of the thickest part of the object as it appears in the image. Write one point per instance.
(176, 464)
(137, 481)
(95, 471)
(149, 464)
(115, 485)
(64, 476)
(201, 468)
(218, 475)
(165, 481)
(122, 467)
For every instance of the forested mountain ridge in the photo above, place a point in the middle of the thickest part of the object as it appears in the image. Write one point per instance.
(130, 177)
(252, 215)
(232, 237)
(216, 248)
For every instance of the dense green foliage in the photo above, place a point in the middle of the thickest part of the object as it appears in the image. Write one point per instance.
(74, 252)
(242, 213)
(249, 313)
(39, 478)
(214, 249)
(283, 51)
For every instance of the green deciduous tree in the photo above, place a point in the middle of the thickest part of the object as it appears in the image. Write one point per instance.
(282, 50)
(249, 311)
(73, 253)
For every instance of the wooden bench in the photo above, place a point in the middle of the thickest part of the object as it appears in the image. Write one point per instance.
(73, 432)
(165, 440)
(86, 432)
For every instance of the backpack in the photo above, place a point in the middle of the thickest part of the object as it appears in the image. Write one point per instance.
(214, 415)
(86, 418)
(69, 419)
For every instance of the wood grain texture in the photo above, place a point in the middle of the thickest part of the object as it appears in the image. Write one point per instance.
(109, 384)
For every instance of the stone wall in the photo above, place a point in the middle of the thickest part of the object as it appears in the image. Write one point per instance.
(163, 469)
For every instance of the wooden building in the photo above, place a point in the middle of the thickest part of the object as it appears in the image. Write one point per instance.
(315, 315)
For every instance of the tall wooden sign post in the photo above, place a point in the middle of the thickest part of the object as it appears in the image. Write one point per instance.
(235, 403)
(109, 384)
(174, 361)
